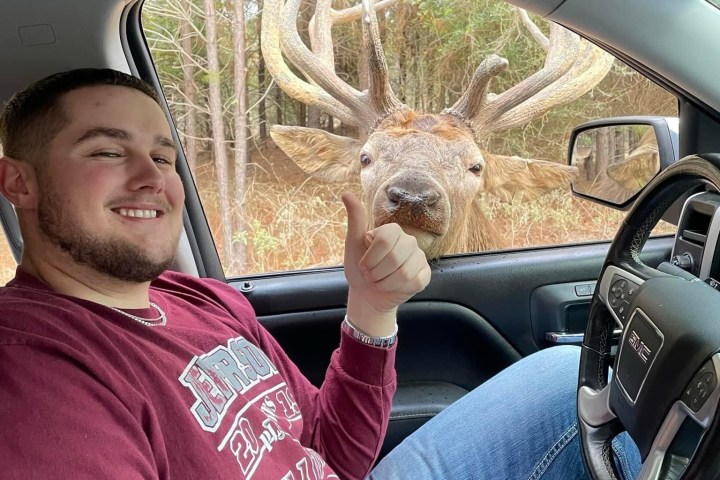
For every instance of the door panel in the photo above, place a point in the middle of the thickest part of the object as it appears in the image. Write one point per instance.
(445, 351)
(473, 320)
(439, 342)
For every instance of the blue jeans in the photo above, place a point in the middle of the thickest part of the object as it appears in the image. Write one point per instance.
(521, 424)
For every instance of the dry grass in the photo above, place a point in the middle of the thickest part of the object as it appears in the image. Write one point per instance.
(295, 222)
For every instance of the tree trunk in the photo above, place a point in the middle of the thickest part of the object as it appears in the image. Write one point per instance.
(606, 150)
(313, 117)
(262, 108)
(594, 152)
(300, 114)
(240, 122)
(278, 105)
(190, 89)
(363, 68)
(218, 133)
(618, 145)
(262, 86)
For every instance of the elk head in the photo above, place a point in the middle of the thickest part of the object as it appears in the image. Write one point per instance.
(425, 172)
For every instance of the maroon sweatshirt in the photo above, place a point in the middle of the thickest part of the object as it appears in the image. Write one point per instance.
(88, 393)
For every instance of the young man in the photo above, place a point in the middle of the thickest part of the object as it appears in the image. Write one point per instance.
(111, 367)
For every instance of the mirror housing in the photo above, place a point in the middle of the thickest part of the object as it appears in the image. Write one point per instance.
(617, 157)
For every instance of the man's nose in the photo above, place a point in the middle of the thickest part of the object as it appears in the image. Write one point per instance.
(145, 175)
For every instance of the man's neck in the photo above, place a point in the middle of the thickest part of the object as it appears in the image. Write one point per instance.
(69, 278)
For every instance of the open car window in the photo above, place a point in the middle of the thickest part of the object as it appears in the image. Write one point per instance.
(271, 213)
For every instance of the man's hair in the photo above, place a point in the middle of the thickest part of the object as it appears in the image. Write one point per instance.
(32, 117)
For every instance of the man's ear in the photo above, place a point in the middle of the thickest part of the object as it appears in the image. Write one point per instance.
(319, 153)
(508, 177)
(18, 182)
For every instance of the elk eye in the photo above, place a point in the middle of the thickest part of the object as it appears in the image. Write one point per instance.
(477, 168)
(364, 160)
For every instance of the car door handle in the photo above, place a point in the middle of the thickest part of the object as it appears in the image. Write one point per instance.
(562, 338)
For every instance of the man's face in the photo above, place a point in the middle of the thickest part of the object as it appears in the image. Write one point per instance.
(109, 194)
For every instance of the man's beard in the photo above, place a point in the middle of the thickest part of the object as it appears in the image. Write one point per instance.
(114, 257)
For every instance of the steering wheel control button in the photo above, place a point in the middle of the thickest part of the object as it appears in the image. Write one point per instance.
(700, 387)
(621, 292)
(640, 346)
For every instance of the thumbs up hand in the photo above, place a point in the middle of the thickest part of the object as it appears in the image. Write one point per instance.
(384, 267)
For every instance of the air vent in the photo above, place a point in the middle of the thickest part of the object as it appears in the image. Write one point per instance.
(695, 236)
(696, 242)
(696, 224)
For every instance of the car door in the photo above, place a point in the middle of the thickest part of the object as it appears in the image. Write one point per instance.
(479, 314)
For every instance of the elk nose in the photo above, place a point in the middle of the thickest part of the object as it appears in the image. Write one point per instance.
(400, 196)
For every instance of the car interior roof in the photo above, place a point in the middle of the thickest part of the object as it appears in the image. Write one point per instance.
(40, 37)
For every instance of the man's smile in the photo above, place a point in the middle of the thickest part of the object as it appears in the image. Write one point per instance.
(138, 213)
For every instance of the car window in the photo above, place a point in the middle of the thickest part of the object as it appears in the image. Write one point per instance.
(268, 214)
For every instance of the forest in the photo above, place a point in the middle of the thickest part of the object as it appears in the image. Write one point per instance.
(265, 213)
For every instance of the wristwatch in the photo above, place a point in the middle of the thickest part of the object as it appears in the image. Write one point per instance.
(356, 333)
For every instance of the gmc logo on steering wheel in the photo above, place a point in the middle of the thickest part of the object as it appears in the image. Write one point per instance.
(639, 346)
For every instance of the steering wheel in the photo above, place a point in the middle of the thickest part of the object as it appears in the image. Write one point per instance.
(664, 388)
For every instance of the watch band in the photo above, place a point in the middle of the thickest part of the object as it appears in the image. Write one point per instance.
(356, 333)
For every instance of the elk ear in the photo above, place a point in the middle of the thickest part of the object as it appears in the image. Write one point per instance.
(319, 153)
(508, 177)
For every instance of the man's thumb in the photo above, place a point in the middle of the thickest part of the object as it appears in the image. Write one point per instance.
(357, 219)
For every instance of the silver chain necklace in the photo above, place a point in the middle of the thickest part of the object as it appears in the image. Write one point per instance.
(151, 322)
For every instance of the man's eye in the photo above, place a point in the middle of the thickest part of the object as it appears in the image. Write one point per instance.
(107, 154)
(163, 160)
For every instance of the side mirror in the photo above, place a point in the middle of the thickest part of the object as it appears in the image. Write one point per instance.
(617, 157)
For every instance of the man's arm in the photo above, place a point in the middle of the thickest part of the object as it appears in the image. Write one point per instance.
(346, 420)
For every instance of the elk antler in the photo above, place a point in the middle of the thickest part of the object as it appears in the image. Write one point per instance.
(326, 90)
(572, 67)
(326, 17)
(289, 82)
